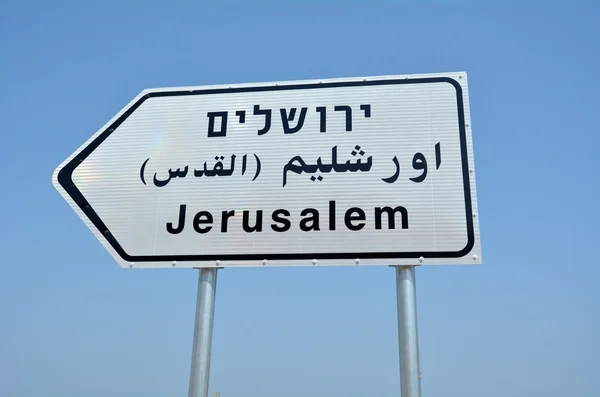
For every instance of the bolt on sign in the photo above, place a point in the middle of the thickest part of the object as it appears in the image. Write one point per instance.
(353, 171)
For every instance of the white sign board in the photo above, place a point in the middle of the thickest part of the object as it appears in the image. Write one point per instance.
(358, 171)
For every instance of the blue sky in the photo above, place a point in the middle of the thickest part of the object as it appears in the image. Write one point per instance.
(525, 323)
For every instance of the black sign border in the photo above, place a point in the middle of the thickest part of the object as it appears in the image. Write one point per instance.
(66, 181)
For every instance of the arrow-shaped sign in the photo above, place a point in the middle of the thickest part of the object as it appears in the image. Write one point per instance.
(343, 171)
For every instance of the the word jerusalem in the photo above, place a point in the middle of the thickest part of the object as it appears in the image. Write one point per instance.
(354, 219)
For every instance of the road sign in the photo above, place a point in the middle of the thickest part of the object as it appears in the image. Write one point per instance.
(355, 171)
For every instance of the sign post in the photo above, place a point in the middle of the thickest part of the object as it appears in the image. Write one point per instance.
(408, 335)
(203, 330)
(339, 172)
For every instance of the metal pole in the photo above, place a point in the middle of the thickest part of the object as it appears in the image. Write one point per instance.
(203, 329)
(408, 335)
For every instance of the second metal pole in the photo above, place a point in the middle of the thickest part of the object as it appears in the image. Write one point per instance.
(203, 330)
(408, 335)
